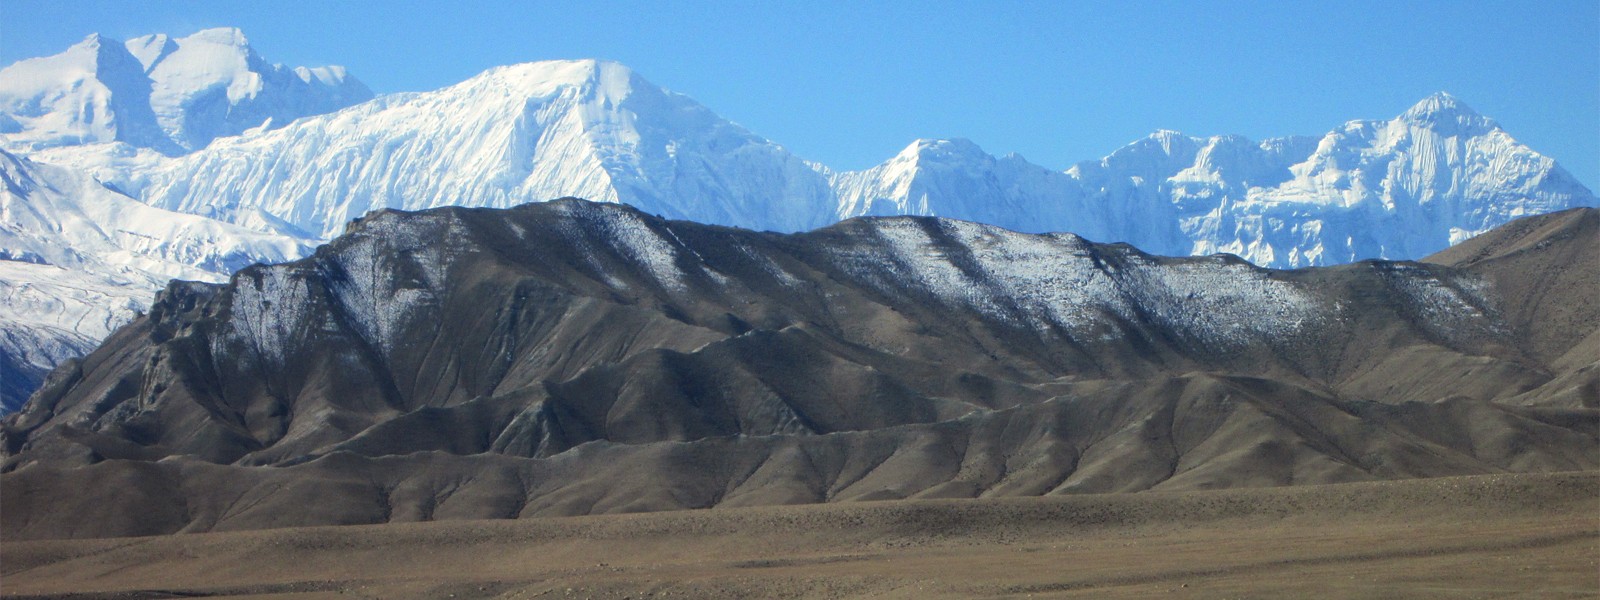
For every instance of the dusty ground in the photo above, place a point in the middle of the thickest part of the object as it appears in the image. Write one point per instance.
(1505, 536)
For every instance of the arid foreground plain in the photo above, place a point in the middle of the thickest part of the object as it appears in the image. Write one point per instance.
(1495, 536)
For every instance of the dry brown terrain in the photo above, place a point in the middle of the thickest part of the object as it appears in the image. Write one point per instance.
(1499, 536)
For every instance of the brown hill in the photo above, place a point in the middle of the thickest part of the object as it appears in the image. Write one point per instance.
(1553, 263)
(576, 358)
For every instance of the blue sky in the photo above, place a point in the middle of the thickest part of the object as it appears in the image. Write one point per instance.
(851, 83)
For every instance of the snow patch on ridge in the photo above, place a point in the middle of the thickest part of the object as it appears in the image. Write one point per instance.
(1061, 281)
(270, 310)
(1452, 309)
(630, 236)
(368, 280)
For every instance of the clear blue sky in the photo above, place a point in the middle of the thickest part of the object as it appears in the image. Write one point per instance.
(851, 83)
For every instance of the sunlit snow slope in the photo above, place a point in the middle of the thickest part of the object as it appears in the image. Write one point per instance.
(173, 95)
(516, 134)
(78, 260)
(1401, 188)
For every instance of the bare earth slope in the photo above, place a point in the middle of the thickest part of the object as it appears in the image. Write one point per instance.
(1554, 261)
(1500, 536)
(572, 358)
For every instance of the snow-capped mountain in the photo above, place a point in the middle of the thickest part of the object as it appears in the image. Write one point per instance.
(202, 126)
(1399, 188)
(516, 134)
(78, 259)
(956, 178)
(173, 95)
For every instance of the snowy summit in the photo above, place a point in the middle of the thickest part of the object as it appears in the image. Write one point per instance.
(173, 95)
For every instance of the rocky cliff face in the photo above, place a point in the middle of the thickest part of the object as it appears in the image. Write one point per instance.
(570, 357)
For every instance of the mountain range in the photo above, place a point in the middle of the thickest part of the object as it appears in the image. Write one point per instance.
(278, 160)
(1398, 188)
(575, 358)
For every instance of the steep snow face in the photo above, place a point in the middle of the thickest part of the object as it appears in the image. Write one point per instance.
(49, 314)
(120, 165)
(1182, 180)
(515, 134)
(213, 84)
(171, 95)
(78, 260)
(949, 177)
(53, 215)
(1401, 188)
(93, 92)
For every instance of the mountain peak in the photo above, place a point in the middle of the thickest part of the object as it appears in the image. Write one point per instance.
(565, 71)
(174, 95)
(1444, 112)
(150, 49)
(1439, 103)
(93, 45)
(226, 36)
(605, 78)
(942, 148)
(95, 40)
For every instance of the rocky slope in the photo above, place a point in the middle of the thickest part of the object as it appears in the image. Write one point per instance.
(1555, 311)
(571, 358)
